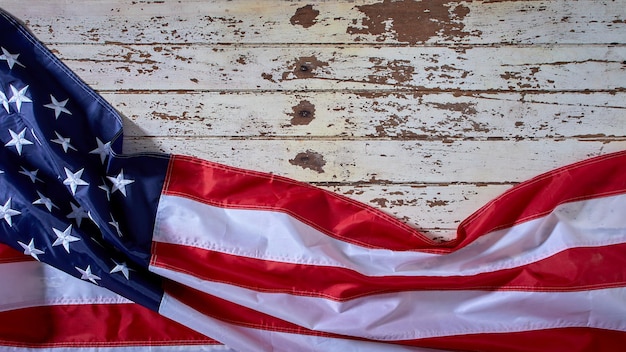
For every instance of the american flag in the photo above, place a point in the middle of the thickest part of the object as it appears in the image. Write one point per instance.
(119, 252)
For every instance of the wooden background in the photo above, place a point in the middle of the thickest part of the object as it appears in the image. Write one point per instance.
(426, 110)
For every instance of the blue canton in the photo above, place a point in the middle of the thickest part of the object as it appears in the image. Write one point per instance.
(68, 197)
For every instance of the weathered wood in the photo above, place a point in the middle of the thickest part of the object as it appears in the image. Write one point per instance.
(348, 160)
(199, 67)
(401, 115)
(337, 22)
(424, 109)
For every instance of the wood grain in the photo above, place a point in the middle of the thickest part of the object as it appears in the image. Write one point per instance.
(199, 67)
(394, 115)
(335, 22)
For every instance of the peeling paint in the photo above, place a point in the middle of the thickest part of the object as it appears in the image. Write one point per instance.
(437, 203)
(242, 60)
(268, 77)
(392, 127)
(381, 202)
(464, 108)
(304, 67)
(305, 16)
(390, 71)
(303, 113)
(412, 21)
(164, 116)
(309, 160)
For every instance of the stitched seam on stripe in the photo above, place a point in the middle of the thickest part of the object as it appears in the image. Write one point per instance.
(300, 219)
(299, 330)
(377, 213)
(168, 174)
(89, 344)
(542, 214)
(540, 178)
(157, 217)
(318, 294)
(63, 301)
(16, 260)
(548, 252)
(410, 335)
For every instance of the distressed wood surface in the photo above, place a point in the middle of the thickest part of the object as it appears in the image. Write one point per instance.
(336, 22)
(423, 109)
(396, 115)
(200, 67)
(348, 160)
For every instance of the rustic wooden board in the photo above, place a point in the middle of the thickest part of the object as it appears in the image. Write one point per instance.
(336, 22)
(350, 160)
(423, 109)
(199, 67)
(396, 115)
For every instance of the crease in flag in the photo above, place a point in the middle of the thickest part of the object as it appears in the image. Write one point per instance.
(114, 252)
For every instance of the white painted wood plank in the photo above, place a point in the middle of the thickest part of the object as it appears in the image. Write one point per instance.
(198, 67)
(343, 160)
(403, 115)
(252, 21)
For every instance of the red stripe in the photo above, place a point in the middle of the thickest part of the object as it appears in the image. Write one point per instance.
(357, 223)
(232, 313)
(553, 340)
(591, 178)
(10, 255)
(574, 269)
(330, 213)
(93, 325)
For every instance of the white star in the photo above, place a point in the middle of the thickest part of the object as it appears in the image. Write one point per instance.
(87, 275)
(104, 149)
(73, 179)
(11, 59)
(64, 142)
(45, 201)
(116, 225)
(120, 183)
(29, 249)
(31, 174)
(64, 238)
(6, 212)
(78, 213)
(18, 140)
(58, 106)
(106, 188)
(4, 101)
(19, 97)
(120, 267)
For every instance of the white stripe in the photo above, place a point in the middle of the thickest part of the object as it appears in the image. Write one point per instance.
(249, 339)
(30, 284)
(147, 348)
(419, 314)
(276, 236)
